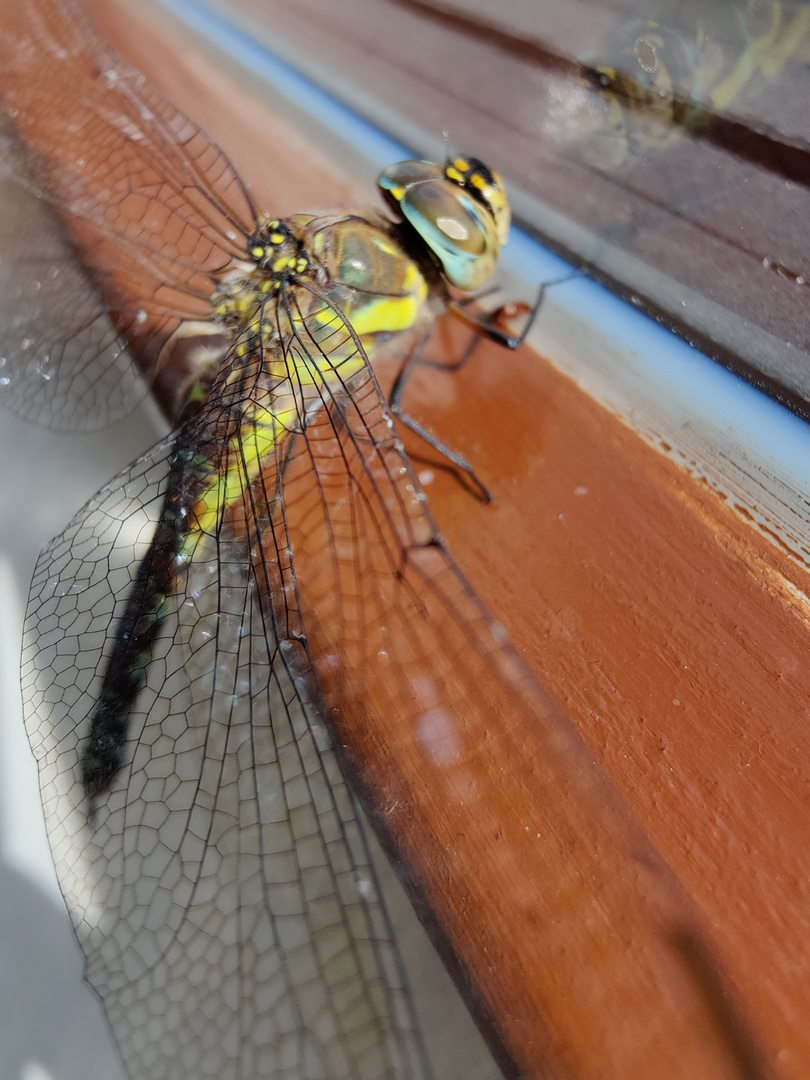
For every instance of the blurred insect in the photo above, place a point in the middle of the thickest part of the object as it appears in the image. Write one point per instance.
(673, 68)
(196, 624)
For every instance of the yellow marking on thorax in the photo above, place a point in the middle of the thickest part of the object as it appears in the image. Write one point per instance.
(392, 313)
(387, 314)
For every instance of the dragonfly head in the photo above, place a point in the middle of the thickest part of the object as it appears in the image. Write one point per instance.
(459, 209)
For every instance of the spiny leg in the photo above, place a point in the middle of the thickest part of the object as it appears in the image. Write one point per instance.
(457, 461)
(490, 326)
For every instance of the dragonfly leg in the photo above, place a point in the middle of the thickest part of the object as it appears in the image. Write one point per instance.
(460, 464)
(494, 325)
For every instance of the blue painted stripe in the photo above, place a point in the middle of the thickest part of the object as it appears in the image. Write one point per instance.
(307, 95)
(690, 382)
(532, 260)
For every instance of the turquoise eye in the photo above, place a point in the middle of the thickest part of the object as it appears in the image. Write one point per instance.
(459, 232)
(462, 216)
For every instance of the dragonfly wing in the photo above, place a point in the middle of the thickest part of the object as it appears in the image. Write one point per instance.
(137, 195)
(63, 362)
(393, 626)
(222, 889)
(445, 724)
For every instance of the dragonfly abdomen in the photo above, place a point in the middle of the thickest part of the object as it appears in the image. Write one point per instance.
(148, 605)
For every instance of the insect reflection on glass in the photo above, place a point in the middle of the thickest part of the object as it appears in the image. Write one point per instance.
(668, 69)
(209, 850)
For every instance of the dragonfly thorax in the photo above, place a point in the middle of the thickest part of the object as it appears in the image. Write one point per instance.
(278, 251)
(275, 256)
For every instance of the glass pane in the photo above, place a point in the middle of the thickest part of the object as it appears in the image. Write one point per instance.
(662, 143)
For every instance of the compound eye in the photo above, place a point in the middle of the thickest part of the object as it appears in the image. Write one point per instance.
(459, 231)
(396, 179)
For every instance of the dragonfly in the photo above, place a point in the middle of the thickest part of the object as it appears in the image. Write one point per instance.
(204, 629)
(221, 599)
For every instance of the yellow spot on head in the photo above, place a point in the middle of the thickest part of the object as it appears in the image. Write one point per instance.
(454, 174)
(273, 224)
(276, 238)
(462, 164)
(257, 252)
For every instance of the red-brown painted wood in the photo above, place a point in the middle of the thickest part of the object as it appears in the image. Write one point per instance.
(674, 639)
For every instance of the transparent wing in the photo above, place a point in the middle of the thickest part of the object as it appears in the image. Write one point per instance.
(222, 890)
(130, 191)
(62, 362)
(393, 627)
